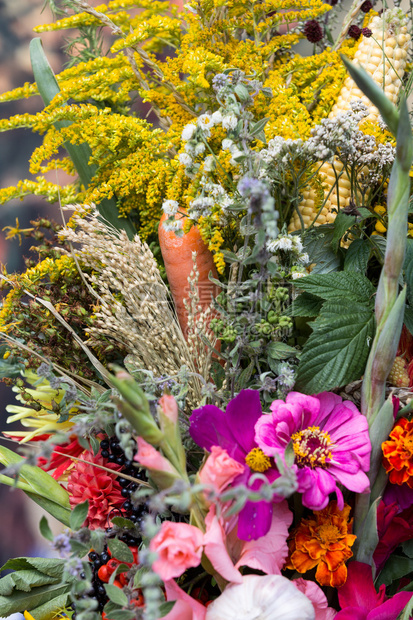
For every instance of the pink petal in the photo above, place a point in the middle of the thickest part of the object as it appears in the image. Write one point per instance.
(186, 608)
(268, 553)
(391, 608)
(216, 551)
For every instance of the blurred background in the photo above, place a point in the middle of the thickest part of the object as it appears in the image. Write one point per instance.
(19, 532)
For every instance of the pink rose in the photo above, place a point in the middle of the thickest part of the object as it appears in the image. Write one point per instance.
(220, 469)
(169, 407)
(179, 546)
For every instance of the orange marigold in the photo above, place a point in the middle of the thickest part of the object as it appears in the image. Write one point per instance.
(323, 541)
(398, 453)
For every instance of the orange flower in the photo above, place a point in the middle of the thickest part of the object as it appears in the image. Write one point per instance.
(323, 540)
(398, 453)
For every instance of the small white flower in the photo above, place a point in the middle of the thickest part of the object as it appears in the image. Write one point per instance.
(227, 144)
(185, 159)
(205, 123)
(200, 148)
(298, 274)
(209, 164)
(297, 243)
(170, 207)
(229, 122)
(188, 132)
(217, 117)
(270, 597)
(174, 225)
(303, 258)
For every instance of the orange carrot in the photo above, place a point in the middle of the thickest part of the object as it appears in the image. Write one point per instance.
(177, 256)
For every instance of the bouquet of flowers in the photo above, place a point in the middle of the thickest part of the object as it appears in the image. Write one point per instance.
(212, 352)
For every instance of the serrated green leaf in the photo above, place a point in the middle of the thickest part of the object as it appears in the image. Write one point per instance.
(116, 595)
(341, 225)
(336, 352)
(49, 566)
(396, 567)
(47, 610)
(357, 256)
(79, 548)
(120, 550)
(19, 601)
(305, 305)
(45, 530)
(317, 243)
(24, 580)
(245, 375)
(341, 285)
(79, 514)
(280, 351)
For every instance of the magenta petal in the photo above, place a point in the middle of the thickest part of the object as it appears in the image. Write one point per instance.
(352, 613)
(242, 413)
(359, 483)
(209, 427)
(358, 591)
(391, 608)
(254, 520)
(317, 485)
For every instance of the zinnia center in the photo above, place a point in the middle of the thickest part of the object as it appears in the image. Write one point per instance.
(257, 460)
(311, 447)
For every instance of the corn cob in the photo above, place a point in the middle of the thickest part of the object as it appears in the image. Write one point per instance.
(384, 56)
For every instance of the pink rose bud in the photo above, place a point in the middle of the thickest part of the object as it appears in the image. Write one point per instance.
(220, 469)
(169, 407)
(179, 547)
(160, 469)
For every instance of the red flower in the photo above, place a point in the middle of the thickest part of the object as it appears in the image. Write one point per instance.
(393, 529)
(59, 462)
(99, 487)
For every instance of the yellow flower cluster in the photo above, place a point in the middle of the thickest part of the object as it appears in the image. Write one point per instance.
(137, 164)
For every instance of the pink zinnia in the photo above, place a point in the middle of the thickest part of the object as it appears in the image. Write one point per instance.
(330, 440)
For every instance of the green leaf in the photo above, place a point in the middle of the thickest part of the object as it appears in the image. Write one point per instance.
(341, 224)
(370, 538)
(357, 256)
(19, 601)
(165, 608)
(376, 95)
(24, 580)
(407, 547)
(397, 566)
(336, 352)
(258, 126)
(407, 611)
(116, 595)
(408, 269)
(81, 549)
(340, 285)
(78, 516)
(122, 522)
(280, 351)
(47, 610)
(305, 305)
(317, 243)
(57, 511)
(245, 375)
(120, 550)
(45, 530)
